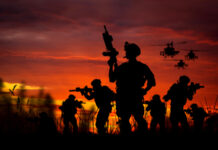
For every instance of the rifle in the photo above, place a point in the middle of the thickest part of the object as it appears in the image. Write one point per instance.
(195, 86)
(111, 51)
(188, 111)
(78, 89)
(80, 102)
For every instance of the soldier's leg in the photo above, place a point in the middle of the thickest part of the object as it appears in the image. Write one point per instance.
(123, 113)
(174, 122)
(75, 126)
(125, 127)
(199, 125)
(101, 120)
(138, 115)
(184, 122)
(162, 124)
(66, 126)
(153, 125)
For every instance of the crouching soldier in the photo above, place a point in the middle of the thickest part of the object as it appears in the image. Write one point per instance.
(69, 109)
(157, 110)
(198, 115)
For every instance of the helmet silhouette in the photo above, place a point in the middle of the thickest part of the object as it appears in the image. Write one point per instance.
(194, 106)
(72, 96)
(184, 79)
(156, 98)
(96, 82)
(132, 49)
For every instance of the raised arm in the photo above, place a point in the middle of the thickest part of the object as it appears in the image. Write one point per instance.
(112, 71)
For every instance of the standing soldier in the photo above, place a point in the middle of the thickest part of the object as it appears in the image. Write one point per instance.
(103, 97)
(130, 78)
(158, 111)
(178, 94)
(198, 115)
(69, 109)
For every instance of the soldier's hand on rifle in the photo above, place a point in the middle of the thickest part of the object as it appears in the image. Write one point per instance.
(145, 92)
(111, 62)
(166, 98)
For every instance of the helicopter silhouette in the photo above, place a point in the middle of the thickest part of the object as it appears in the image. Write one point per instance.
(169, 51)
(181, 64)
(191, 55)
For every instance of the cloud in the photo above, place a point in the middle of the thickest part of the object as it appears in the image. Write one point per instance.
(8, 86)
(44, 57)
(197, 16)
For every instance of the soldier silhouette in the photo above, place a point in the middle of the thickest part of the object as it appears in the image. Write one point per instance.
(157, 110)
(103, 97)
(179, 93)
(69, 109)
(130, 78)
(198, 115)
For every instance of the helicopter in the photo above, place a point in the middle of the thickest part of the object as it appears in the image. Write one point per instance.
(169, 50)
(191, 55)
(181, 64)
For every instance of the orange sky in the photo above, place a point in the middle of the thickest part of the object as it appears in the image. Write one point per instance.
(59, 45)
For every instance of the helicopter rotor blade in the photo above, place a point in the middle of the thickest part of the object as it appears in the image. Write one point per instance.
(182, 42)
(157, 45)
(195, 50)
(169, 42)
(172, 59)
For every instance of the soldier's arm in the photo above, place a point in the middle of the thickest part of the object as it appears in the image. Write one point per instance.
(150, 79)
(190, 94)
(112, 72)
(78, 104)
(169, 93)
(148, 108)
(89, 95)
(110, 94)
(164, 108)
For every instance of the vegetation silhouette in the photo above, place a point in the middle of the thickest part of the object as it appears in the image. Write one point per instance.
(24, 116)
(41, 121)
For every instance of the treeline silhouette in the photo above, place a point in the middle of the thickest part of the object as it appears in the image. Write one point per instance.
(38, 116)
(21, 114)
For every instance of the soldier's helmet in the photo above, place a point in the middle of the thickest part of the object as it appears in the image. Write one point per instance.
(72, 96)
(194, 106)
(132, 49)
(156, 98)
(184, 79)
(96, 82)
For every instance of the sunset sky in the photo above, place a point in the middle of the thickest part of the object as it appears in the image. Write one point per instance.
(58, 44)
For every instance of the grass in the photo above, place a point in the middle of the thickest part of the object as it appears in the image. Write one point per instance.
(20, 116)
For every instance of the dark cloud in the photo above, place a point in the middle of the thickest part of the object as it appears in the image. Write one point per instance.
(31, 59)
(41, 39)
(196, 15)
